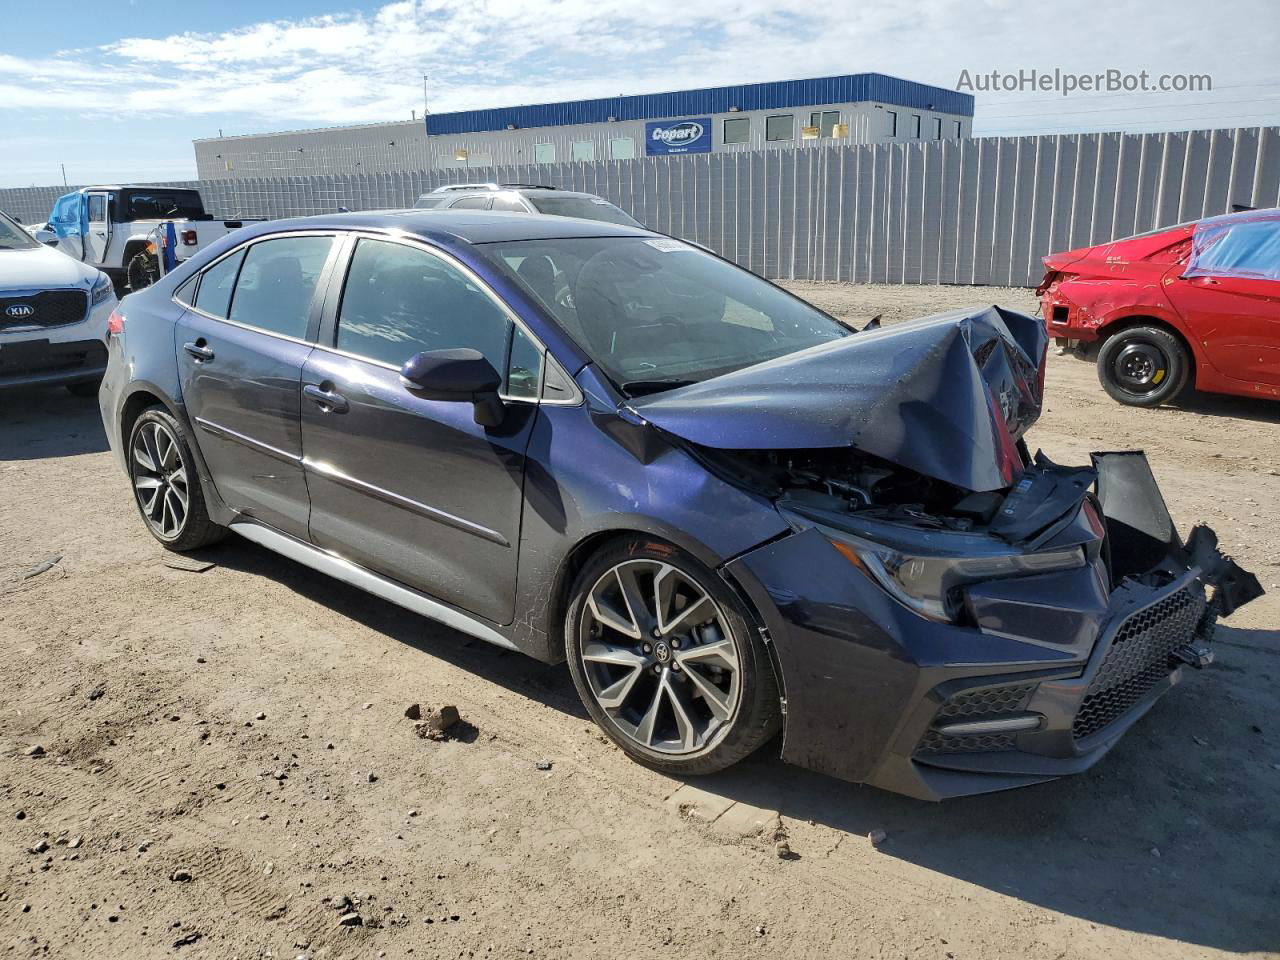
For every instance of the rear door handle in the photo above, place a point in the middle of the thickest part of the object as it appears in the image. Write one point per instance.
(326, 400)
(198, 350)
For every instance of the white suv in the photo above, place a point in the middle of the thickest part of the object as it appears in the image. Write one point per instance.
(53, 315)
(524, 198)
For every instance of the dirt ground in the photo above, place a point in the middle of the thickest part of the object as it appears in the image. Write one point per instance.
(227, 769)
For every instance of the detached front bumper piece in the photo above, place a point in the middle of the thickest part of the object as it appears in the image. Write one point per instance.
(1043, 677)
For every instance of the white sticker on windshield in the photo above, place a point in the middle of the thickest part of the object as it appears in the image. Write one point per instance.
(599, 200)
(667, 245)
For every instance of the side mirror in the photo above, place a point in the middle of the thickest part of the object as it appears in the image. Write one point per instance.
(47, 237)
(462, 375)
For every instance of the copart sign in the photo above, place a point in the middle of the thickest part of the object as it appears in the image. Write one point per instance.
(663, 137)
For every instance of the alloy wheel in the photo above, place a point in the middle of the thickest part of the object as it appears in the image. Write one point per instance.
(160, 479)
(659, 657)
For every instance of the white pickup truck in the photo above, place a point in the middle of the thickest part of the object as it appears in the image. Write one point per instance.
(134, 233)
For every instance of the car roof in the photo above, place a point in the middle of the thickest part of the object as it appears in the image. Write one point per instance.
(483, 191)
(139, 186)
(471, 226)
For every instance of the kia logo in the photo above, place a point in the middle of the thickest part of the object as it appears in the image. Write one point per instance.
(20, 311)
(680, 133)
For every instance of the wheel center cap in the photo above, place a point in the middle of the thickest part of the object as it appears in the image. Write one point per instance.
(662, 651)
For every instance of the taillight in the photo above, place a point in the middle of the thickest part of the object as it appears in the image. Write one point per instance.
(189, 238)
(1047, 282)
(115, 324)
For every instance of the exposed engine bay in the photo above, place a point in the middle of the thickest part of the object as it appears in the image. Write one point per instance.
(847, 481)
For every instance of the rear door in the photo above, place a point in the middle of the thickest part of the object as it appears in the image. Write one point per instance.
(1229, 296)
(99, 235)
(241, 347)
(412, 488)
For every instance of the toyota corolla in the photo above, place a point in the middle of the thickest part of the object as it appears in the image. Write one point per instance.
(733, 515)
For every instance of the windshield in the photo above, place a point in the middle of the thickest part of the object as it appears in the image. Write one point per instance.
(655, 313)
(427, 202)
(587, 208)
(13, 237)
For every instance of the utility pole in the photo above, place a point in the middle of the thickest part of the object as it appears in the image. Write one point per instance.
(64, 173)
(425, 110)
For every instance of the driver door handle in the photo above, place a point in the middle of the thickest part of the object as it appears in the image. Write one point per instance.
(199, 351)
(326, 400)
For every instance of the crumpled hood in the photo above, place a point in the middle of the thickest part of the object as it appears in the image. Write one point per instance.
(947, 396)
(41, 268)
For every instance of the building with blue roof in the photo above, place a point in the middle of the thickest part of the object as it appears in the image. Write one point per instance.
(854, 108)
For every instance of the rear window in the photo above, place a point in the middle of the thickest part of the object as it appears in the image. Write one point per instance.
(586, 208)
(161, 204)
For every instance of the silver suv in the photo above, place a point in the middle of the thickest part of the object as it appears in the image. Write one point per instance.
(524, 198)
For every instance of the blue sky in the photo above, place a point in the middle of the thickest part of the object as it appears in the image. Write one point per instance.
(117, 90)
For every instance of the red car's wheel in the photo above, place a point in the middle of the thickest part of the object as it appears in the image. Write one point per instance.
(1143, 366)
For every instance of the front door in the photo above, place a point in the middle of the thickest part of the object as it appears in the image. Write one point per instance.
(99, 235)
(415, 489)
(240, 353)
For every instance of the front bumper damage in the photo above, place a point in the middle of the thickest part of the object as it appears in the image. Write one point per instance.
(1040, 679)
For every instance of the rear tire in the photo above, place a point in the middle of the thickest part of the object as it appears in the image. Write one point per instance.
(666, 662)
(166, 484)
(1143, 366)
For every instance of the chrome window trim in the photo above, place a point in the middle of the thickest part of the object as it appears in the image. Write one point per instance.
(326, 232)
(411, 241)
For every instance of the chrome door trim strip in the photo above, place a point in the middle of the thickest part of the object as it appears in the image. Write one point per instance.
(342, 569)
(331, 472)
(228, 434)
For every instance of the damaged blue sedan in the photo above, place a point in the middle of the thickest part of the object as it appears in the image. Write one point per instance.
(733, 515)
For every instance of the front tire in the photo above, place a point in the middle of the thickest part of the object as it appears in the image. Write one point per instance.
(165, 483)
(665, 660)
(1143, 366)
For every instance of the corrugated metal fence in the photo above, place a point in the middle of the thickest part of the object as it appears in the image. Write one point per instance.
(980, 211)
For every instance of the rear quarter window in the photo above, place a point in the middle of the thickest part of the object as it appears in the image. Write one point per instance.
(214, 294)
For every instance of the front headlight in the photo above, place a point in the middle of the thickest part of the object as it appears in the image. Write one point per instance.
(102, 289)
(929, 583)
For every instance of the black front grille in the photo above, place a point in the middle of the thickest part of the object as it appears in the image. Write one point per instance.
(989, 703)
(49, 308)
(1139, 659)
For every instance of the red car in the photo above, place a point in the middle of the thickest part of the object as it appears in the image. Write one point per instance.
(1195, 304)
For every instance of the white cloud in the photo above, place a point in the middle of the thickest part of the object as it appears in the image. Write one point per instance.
(368, 67)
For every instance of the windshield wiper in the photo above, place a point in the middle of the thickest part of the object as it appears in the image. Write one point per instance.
(635, 387)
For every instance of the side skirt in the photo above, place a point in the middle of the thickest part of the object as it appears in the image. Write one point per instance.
(328, 563)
